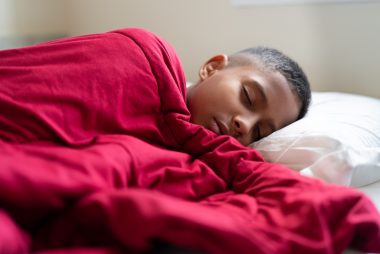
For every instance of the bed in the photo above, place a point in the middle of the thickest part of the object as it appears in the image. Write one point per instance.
(98, 155)
(338, 142)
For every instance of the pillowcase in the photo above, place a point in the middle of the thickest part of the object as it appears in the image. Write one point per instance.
(338, 140)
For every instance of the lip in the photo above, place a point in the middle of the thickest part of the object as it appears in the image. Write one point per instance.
(222, 127)
(215, 127)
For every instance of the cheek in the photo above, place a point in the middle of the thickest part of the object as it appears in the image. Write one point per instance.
(221, 101)
(199, 106)
(215, 97)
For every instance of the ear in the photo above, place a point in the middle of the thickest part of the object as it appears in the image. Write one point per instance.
(214, 64)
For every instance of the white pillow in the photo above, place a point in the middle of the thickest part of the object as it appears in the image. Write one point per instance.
(338, 141)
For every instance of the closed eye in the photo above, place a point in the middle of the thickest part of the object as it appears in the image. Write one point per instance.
(246, 94)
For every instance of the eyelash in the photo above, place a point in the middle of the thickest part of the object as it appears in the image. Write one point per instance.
(257, 133)
(247, 96)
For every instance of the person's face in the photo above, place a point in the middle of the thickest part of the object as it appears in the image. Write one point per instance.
(241, 101)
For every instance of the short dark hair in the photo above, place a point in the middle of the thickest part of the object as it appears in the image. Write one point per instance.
(274, 60)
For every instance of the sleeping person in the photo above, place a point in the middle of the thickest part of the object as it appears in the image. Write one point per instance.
(103, 150)
(249, 95)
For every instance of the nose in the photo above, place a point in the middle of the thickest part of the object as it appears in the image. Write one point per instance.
(243, 127)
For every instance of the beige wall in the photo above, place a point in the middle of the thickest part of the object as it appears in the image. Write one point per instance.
(337, 45)
(20, 18)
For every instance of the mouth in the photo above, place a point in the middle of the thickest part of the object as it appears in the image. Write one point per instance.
(223, 130)
(214, 127)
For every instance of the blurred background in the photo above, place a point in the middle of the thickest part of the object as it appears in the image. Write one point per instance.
(337, 44)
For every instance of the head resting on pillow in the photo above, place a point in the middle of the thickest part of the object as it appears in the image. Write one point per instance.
(249, 94)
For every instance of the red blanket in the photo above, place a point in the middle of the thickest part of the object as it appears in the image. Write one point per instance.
(97, 155)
